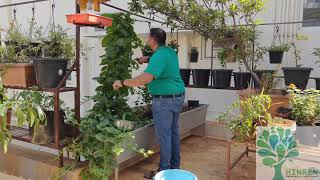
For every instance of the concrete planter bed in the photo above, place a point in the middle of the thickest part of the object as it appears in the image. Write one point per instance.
(192, 122)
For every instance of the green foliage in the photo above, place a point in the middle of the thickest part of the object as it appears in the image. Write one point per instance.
(101, 142)
(58, 44)
(253, 112)
(194, 50)
(281, 47)
(305, 106)
(317, 54)
(222, 56)
(174, 45)
(213, 19)
(25, 109)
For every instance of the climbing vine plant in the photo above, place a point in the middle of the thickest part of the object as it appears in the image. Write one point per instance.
(101, 142)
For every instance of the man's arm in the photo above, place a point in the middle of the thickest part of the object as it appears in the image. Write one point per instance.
(140, 80)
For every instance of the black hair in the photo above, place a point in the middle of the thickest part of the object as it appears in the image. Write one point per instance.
(158, 35)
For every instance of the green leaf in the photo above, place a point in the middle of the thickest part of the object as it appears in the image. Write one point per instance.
(265, 152)
(265, 135)
(273, 141)
(280, 132)
(281, 151)
(269, 162)
(293, 153)
(262, 144)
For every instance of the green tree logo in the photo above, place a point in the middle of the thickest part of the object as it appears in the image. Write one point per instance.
(275, 146)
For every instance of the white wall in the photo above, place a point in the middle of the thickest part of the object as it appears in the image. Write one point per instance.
(218, 99)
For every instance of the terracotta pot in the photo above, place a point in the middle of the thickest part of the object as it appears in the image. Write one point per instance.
(89, 20)
(19, 75)
(278, 100)
(286, 124)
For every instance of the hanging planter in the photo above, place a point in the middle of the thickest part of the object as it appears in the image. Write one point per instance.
(201, 77)
(275, 57)
(222, 78)
(298, 76)
(185, 75)
(242, 80)
(89, 20)
(194, 54)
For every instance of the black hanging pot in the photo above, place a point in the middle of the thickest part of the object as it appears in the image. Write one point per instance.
(185, 75)
(45, 133)
(201, 77)
(318, 84)
(50, 71)
(194, 55)
(242, 80)
(260, 74)
(275, 57)
(222, 78)
(298, 76)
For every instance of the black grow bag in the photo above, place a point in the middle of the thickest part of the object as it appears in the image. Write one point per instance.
(194, 56)
(275, 57)
(193, 103)
(201, 77)
(222, 78)
(298, 76)
(48, 128)
(50, 71)
(318, 84)
(185, 75)
(242, 80)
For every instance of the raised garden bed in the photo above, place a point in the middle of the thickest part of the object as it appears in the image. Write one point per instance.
(191, 123)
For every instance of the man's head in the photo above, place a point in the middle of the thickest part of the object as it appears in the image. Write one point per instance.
(156, 38)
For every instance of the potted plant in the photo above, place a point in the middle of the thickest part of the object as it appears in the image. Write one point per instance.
(276, 53)
(174, 45)
(298, 75)
(222, 77)
(305, 106)
(253, 113)
(15, 66)
(241, 79)
(317, 54)
(26, 112)
(58, 51)
(194, 54)
(201, 77)
(185, 75)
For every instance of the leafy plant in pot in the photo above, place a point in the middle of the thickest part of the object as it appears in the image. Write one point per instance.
(298, 75)
(194, 54)
(174, 45)
(15, 66)
(276, 53)
(58, 49)
(253, 113)
(222, 77)
(26, 111)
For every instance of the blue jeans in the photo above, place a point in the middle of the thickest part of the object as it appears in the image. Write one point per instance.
(166, 113)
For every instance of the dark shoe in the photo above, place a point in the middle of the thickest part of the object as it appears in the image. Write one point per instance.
(151, 174)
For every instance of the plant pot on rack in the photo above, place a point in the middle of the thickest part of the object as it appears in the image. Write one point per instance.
(50, 71)
(185, 75)
(194, 55)
(298, 76)
(242, 80)
(89, 20)
(317, 84)
(201, 77)
(275, 57)
(44, 134)
(18, 74)
(222, 78)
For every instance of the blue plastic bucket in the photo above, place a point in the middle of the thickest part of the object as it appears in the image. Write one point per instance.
(175, 174)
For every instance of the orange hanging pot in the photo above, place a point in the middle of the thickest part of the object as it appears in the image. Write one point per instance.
(89, 19)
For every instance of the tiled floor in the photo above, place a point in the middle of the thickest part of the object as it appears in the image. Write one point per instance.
(204, 157)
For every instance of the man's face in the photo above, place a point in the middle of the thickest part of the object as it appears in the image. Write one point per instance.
(151, 42)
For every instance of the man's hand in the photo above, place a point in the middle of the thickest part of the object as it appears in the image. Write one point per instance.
(143, 59)
(117, 85)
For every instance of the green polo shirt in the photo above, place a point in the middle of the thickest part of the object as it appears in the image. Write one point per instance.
(164, 66)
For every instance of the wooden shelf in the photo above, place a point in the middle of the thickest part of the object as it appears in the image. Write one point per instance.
(22, 134)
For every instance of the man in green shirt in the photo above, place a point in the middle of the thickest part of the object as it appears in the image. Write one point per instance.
(164, 82)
